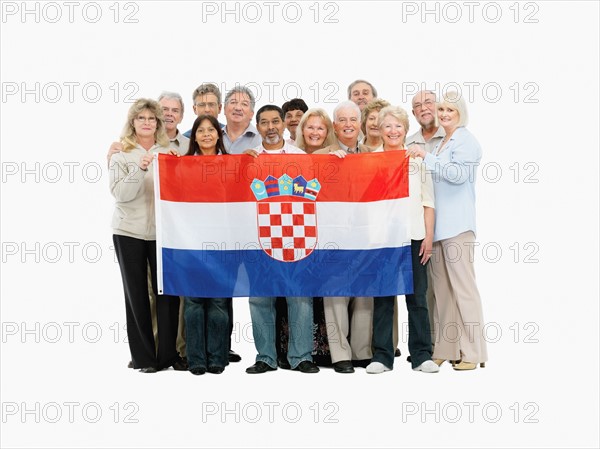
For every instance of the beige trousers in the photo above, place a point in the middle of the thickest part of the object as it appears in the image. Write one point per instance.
(458, 314)
(349, 317)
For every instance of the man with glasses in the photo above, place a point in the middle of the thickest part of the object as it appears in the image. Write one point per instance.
(427, 137)
(207, 100)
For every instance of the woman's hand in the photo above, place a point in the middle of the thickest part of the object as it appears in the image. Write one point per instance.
(416, 151)
(174, 152)
(145, 160)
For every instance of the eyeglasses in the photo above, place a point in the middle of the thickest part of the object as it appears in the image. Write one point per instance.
(142, 119)
(211, 105)
(419, 106)
(243, 104)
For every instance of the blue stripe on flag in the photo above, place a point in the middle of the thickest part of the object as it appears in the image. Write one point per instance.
(201, 273)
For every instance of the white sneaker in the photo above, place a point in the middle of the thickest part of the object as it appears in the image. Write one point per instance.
(428, 366)
(377, 368)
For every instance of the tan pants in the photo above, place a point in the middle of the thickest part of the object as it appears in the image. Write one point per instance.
(458, 313)
(349, 316)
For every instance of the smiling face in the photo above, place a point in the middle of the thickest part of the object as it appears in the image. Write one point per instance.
(347, 126)
(423, 108)
(393, 133)
(270, 126)
(448, 117)
(207, 137)
(145, 124)
(238, 109)
(314, 133)
(361, 94)
(371, 125)
(292, 118)
(173, 114)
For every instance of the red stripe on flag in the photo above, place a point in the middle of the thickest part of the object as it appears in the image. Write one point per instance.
(217, 179)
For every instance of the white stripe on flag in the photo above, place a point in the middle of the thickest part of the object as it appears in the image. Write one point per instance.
(229, 226)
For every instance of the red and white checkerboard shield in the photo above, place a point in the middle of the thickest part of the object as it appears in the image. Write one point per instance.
(287, 230)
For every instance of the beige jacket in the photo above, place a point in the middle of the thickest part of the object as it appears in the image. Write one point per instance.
(336, 146)
(133, 189)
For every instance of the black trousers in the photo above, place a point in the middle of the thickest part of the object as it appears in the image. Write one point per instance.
(134, 256)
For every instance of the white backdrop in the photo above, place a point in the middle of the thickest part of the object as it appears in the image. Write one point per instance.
(530, 74)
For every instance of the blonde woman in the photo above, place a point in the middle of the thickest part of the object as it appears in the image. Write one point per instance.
(134, 237)
(315, 131)
(369, 125)
(458, 315)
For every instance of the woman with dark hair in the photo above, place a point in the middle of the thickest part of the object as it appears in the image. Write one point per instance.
(134, 237)
(206, 319)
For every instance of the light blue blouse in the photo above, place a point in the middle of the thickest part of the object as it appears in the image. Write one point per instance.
(454, 171)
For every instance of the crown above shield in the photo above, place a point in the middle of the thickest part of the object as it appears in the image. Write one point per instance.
(285, 186)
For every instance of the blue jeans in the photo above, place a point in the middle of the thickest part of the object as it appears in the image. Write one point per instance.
(419, 332)
(206, 331)
(300, 319)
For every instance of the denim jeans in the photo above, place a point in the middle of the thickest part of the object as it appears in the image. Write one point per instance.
(206, 331)
(300, 319)
(419, 332)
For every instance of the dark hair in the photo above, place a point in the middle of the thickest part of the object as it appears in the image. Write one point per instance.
(269, 107)
(194, 147)
(293, 105)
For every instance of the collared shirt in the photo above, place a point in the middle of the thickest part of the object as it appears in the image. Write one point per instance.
(420, 195)
(180, 143)
(454, 172)
(291, 141)
(248, 139)
(418, 139)
(286, 149)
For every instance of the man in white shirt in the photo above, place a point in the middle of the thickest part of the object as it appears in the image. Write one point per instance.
(427, 137)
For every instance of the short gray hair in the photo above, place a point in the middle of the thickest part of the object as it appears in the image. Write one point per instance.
(172, 96)
(207, 88)
(241, 90)
(361, 81)
(346, 105)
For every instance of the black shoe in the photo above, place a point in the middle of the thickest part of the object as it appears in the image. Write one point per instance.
(307, 367)
(233, 357)
(180, 365)
(363, 363)
(345, 366)
(197, 371)
(130, 364)
(259, 368)
(397, 353)
(409, 359)
(216, 369)
(283, 364)
(149, 369)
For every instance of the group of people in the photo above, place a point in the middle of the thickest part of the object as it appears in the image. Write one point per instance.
(444, 311)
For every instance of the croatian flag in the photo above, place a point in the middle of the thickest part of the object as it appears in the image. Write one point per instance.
(283, 225)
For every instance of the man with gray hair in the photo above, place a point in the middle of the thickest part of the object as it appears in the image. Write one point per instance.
(172, 107)
(349, 319)
(362, 93)
(427, 137)
(207, 100)
(238, 134)
(346, 124)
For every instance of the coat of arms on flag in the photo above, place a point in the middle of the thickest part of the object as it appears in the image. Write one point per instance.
(286, 216)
